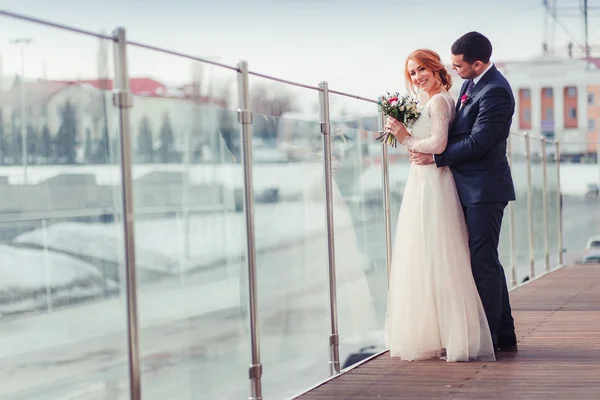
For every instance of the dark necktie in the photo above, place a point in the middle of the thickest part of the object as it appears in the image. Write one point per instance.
(470, 86)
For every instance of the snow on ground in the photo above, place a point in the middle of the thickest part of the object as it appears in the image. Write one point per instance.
(29, 278)
(160, 243)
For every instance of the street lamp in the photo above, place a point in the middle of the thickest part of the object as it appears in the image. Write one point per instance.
(197, 79)
(22, 42)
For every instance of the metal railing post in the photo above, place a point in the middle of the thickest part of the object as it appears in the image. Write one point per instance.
(245, 118)
(123, 100)
(47, 276)
(511, 226)
(545, 206)
(386, 194)
(530, 207)
(334, 339)
(559, 205)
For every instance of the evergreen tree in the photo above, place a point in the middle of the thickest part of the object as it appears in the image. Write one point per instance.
(33, 144)
(66, 138)
(45, 147)
(89, 147)
(102, 151)
(145, 149)
(167, 141)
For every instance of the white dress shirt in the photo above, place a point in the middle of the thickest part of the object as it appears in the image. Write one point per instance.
(478, 77)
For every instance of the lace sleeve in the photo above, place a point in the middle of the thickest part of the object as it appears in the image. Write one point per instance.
(440, 112)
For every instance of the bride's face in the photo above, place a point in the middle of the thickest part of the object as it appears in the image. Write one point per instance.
(420, 76)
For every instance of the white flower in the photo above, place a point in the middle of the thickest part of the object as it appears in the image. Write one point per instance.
(393, 103)
(402, 108)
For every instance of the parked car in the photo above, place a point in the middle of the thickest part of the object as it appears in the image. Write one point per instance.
(591, 254)
(593, 243)
(593, 257)
(592, 191)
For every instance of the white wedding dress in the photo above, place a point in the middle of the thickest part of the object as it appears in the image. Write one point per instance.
(433, 303)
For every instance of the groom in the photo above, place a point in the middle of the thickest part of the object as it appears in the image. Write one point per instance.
(476, 154)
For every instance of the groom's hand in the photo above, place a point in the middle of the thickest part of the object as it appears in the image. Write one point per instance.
(420, 158)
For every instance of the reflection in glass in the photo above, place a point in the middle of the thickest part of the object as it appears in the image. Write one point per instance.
(62, 313)
(190, 244)
(519, 175)
(362, 241)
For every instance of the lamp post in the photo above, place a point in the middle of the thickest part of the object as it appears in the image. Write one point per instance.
(22, 42)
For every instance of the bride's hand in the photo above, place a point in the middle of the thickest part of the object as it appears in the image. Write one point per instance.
(396, 128)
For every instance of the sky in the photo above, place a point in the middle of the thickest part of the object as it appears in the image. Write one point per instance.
(358, 46)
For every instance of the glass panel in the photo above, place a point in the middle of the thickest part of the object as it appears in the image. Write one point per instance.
(553, 206)
(359, 229)
(399, 161)
(62, 300)
(190, 229)
(579, 180)
(292, 257)
(537, 184)
(519, 175)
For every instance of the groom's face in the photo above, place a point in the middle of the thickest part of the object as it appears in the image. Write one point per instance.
(464, 69)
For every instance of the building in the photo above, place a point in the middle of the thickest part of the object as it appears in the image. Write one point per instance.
(558, 98)
(195, 116)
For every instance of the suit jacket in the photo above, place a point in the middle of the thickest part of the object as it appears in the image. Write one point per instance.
(477, 141)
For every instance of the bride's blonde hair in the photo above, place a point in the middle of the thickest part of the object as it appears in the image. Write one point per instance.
(430, 60)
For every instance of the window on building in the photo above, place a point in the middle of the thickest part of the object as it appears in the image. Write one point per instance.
(571, 91)
(573, 113)
(525, 93)
(547, 92)
(549, 114)
(591, 99)
(591, 125)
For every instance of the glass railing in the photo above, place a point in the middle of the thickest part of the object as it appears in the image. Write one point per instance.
(399, 166)
(291, 237)
(193, 307)
(539, 202)
(519, 226)
(216, 288)
(360, 231)
(292, 254)
(553, 199)
(580, 180)
(63, 326)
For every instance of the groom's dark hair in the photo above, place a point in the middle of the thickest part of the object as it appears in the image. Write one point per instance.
(474, 47)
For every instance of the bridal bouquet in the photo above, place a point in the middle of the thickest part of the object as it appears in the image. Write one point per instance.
(403, 108)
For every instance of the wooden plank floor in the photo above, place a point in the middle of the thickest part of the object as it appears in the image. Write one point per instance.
(558, 327)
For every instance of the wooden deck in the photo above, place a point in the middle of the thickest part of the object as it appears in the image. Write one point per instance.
(558, 326)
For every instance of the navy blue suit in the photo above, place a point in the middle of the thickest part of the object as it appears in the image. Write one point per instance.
(476, 154)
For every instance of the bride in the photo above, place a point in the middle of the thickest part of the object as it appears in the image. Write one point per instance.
(433, 309)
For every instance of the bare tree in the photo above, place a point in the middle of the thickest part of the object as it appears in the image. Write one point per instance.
(268, 104)
(271, 100)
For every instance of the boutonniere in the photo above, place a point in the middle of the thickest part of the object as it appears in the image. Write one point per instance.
(464, 100)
